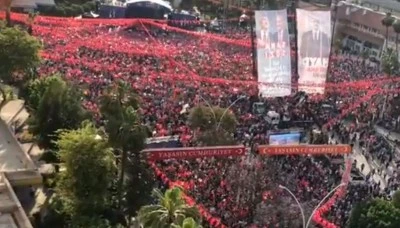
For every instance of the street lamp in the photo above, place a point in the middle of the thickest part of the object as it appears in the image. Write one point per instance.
(322, 201)
(298, 204)
(305, 225)
(226, 110)
(209, 105)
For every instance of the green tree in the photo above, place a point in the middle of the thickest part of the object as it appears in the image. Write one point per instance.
(213, 125)
(171, 209)
(365, 55)
(396, 199)
(139, 184)
(187, 223)
(337, 45)
(119, 108)
(90, 170)
(376, 213)
(396, 28)
(387, 21)
(91, 222)
(389, 62)
(59, 108)
(19, 55)
(36, 88)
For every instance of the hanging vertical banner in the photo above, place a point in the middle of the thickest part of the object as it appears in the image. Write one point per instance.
(273, 53)
(314, 44)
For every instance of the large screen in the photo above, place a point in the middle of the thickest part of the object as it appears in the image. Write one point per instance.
(285, 139)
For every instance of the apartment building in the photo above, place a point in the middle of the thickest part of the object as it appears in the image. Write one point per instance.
(392, 6)
(361, 29)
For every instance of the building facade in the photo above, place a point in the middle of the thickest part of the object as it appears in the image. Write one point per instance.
(360, 29)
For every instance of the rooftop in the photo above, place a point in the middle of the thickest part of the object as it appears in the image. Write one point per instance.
(363, 16)
(388, 4)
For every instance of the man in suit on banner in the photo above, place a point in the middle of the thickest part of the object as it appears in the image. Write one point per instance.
(315, 43)
(264, 36)
(281, 37)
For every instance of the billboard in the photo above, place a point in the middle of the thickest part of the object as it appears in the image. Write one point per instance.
(273, 53)
(194, 152)
(314, 43)
(285, 139)
(303, 149)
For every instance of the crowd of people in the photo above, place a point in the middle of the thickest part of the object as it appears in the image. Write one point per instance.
(171, 69)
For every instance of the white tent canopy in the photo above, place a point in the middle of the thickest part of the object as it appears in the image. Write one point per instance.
(158, 2)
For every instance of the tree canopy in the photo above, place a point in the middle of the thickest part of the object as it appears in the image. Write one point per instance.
(119, 108)
(140, 182)
(188, 223)
(170, 210)
(59, 107)
(36, 88)
(376, 213)
(90, 170)
(213, 125)
(19, 54)
(390, 63)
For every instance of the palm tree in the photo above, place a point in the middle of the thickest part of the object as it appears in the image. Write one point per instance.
(170, 210)
(387, 21)
(119, 109)
(188, 223)
(396, 28)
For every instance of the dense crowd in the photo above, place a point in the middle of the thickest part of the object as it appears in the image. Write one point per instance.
(169, 70)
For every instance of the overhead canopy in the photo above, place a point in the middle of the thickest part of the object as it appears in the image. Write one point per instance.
(158, 2)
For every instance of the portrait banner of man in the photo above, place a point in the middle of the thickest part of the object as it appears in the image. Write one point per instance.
(273, 53)
(314, 43)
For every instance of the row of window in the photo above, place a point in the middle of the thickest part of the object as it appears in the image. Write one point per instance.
(370, 30)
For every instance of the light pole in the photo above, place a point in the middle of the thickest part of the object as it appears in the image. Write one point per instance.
(321, 202)
(208, 104)
(298, 203)
(226, 110)
(305, 225)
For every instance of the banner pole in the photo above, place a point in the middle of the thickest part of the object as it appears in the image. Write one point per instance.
(335, 2)
(253, 49)
(296, 70)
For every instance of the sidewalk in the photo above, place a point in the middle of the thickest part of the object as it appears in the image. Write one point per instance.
(360, 158)
(391, 135)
